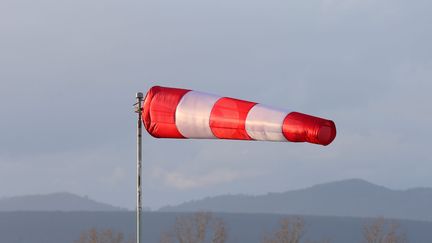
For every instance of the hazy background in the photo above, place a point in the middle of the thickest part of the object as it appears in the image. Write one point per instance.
(69, 71)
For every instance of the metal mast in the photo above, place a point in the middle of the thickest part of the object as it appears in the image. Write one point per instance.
(138, 110)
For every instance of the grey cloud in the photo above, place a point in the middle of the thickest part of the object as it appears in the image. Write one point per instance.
(69, 71)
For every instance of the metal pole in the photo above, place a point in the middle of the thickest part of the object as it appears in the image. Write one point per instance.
(138, 110)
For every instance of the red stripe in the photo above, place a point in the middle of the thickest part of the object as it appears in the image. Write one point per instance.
(159, 110)
(228, 117)
(298, 127)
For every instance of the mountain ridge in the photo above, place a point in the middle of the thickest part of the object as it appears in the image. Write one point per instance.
(57, 201)
(345, 198)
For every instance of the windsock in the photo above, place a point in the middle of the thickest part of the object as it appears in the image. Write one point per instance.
(181, 113)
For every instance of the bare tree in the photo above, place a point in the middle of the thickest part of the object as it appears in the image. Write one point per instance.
(103, 236)
(167, 237)
(291, 231)
(219, 232)
(319, 241)
(383, 231)
(195, 228)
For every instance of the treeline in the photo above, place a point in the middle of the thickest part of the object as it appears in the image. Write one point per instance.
(204, 227)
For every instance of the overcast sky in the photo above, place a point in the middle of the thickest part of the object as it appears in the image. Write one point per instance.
(69, 71)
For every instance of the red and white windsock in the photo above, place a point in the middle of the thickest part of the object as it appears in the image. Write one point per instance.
(180, 113)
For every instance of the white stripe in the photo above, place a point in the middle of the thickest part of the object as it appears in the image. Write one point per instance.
(193, 114)
(265, 123)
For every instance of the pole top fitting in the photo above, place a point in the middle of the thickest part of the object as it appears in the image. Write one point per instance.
(139, 95)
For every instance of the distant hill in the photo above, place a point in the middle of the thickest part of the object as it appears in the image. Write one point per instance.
(354, 197)
(53, 202)
(55, 227)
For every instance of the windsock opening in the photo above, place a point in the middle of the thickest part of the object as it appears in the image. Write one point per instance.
(159, 109)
